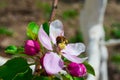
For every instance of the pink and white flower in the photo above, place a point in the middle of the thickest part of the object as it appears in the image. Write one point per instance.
(52, 62)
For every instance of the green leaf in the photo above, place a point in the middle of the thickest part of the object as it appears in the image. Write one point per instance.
(27, 75)
(78, 78)
(46, 27)
(12, 67)
(67, 77)
(20, 49)
(42, 78)
(89, 68)
(11, 49)
(32, 30)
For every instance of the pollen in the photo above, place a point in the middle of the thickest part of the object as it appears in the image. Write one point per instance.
(61, 45)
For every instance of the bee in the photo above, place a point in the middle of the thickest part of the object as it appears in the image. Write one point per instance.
(61, 42)
(61, 39)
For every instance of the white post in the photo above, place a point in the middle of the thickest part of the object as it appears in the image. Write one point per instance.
(91, 25)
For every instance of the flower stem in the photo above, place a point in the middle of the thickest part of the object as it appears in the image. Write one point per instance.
(37, 66)
(54, 7)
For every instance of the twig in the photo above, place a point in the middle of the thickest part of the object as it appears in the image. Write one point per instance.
(54, 7)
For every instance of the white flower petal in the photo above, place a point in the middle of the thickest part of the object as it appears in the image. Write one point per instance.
(44, 39)
(52, 63)
(74, 58)
(56, 29)
(74, 49)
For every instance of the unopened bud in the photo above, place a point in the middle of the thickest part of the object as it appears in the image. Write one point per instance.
(77, 70)
(32, 47)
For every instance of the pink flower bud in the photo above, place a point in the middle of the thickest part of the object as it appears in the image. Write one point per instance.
(77, 70)
(32, 47)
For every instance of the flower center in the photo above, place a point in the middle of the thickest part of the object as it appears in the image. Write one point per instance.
(61, 42)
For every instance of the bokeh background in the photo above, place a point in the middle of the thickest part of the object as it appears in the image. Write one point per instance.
(16, 14)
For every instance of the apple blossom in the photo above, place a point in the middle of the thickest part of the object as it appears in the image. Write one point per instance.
(52, 62)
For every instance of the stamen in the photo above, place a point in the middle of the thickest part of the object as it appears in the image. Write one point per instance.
(61, 45)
